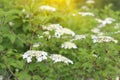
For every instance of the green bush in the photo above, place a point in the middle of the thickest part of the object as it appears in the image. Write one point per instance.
(90, 51)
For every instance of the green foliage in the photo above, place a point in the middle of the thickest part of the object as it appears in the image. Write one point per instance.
(19, 30)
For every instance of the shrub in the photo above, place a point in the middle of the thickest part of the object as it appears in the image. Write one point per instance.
(52, 44)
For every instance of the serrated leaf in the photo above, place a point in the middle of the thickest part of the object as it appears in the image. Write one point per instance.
(23, 76)
(36, 77)
(12, 37)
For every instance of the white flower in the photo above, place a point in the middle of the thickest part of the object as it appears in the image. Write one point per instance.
(1, 77)
(60, 32)
(117, 25)
(25, 55)
(47, 33)
(17, 70)
(29, 59)
(99, 20)
(95, 30)
(108, 21)
(94, 55)
(117, 32)
(68, 31)
(27, 16)
(73, 14)
(100, 33)
(52, 27)
(105, 22)
(86, 13)
(40, 55)
(100, 39)
(39, 36)
(59, 58)
(85, 7)
(36, 45)
(90, 1)
(117, 78)
(11, 24)
(79, 37)
(47, 8)
(23, 10)
(68, 45)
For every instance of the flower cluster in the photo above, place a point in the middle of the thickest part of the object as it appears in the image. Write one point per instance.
(117, 32)
(47, 8)
(36, 44)
(11, 24)
(60, 58)
(86, 14)
(100, 39)
(59, 30)
(85, 7)
(68, 45)
(105, 21)
(117, 25)
(1, 77)
(52, 27)
(90, 1)
(83, 14)
(79, 37)
(95, 30)
(40, 55)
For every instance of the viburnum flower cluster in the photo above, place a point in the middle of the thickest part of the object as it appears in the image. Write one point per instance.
(60, 58)
(79, 37)
(59, 30)
(42, 55)
(47, 8)
(84, 14)
(90, 2)
(100, 39)
(68, 45)
(104, 22)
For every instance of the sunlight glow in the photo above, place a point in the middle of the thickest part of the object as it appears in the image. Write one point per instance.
(61, 3)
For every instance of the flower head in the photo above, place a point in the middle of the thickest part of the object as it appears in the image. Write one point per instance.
(40, 55)
(47, 8)
(100, 39)
(63, 31)
(95, 30)
(90, 1)
(86, 14)
(11, 24)
(85, 7)
(79, 37)
(59, 58)
(106, 21)
(52, 27)
(36, 44)
(68, 45)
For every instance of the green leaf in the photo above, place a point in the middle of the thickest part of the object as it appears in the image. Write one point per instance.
(23, 76)
(12, 37)
(36, 77)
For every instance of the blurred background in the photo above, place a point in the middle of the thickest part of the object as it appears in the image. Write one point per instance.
(77, 3)
(101, 3)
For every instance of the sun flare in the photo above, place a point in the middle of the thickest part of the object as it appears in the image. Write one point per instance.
(61, 3)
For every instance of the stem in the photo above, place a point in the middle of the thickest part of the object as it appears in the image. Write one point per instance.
(10, 70)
